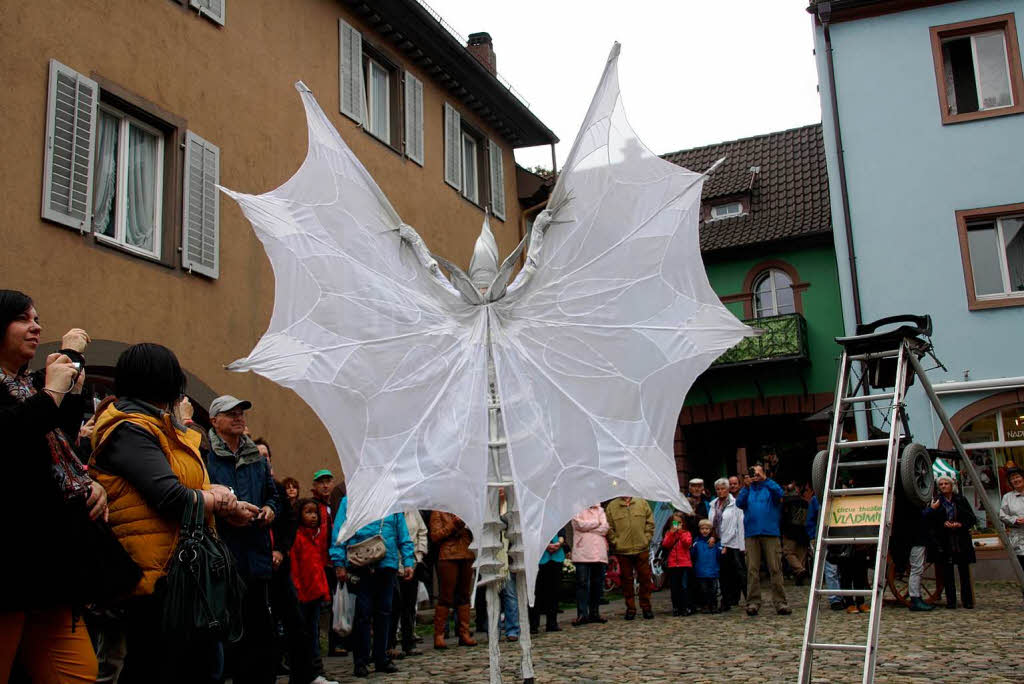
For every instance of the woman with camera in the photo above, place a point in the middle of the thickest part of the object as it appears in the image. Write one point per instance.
(52, 496)
(151, 466)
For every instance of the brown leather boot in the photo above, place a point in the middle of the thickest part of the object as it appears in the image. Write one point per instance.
(465, 631)
(440, 618)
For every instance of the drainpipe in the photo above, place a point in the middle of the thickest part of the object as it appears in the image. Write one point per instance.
(824, 14)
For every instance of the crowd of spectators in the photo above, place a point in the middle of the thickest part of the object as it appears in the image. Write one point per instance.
(140, 463)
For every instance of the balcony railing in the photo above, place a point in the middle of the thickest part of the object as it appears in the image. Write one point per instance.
(784, 338)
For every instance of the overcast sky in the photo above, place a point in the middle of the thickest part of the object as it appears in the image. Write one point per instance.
(692, 72)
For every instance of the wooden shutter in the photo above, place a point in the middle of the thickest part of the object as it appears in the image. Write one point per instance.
(353, 92)
(414, 118)
(200, 220)
(497, 180)
(452, 147)
(70, 137)
(213, 9)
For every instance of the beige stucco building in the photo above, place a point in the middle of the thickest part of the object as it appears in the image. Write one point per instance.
(120, 116)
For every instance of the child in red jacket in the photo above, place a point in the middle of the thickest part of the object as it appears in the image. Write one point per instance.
(307, 561)
(677, 542)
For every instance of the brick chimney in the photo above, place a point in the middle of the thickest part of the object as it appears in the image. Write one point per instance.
(481, 47)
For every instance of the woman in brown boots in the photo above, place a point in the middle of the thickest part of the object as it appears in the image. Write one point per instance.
(454, 575)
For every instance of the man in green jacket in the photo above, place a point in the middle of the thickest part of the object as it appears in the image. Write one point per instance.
(630, 529)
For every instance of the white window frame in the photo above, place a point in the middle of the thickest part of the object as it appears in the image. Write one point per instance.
(371, 104)
(770, 275)
(470, 186)
(977, 74)
(121, 195)
(718, 211)
(1004, 263)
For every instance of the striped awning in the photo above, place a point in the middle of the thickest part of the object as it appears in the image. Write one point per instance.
(943, 468)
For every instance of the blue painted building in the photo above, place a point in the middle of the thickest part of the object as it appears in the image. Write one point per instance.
(922, 109)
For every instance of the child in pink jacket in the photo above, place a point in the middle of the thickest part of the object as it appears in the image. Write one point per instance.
(677, 542)
(590, 556)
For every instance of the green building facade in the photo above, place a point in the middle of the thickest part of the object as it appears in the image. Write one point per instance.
(766, 238)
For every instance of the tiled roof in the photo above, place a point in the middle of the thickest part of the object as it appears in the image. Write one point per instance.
(788, 196)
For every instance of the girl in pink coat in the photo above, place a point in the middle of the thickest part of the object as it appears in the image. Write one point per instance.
(590, 556)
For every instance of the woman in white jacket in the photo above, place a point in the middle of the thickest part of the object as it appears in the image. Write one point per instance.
(727, 526)
(590, 556)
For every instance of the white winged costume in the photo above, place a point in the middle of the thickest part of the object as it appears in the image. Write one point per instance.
(593, 346)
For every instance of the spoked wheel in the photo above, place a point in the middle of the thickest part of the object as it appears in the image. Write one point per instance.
(897, 582)
(612, 578)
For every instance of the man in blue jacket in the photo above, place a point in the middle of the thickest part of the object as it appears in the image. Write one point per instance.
(235, 462)
(761, 502)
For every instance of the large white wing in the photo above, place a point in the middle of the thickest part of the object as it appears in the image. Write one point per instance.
(370, 334)
(602, 334)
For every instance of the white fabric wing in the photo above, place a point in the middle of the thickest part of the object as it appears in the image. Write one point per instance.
(601, 336)
(369, 333)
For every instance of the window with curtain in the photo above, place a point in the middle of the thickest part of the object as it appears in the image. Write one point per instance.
(773, 294)
(378, 100)
(128, 182)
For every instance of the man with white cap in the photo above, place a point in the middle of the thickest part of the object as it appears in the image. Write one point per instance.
(236, 462)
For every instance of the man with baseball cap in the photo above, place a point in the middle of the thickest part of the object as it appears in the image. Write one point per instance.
(236, 462)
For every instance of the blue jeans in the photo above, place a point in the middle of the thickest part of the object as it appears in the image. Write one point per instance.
(510, 607)
(589, 585)
(374, 593)
(310, 612)
(832, 580)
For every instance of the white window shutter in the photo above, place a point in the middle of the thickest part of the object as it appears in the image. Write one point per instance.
(213, 9)
(414, 118)
(497, 180)
(70, 137)
(200, 219)
(353, 90)
(452, 147)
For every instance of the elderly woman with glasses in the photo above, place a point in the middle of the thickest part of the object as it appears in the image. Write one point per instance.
(952, 518)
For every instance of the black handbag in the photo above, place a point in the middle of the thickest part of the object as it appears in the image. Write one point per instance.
(203, 592)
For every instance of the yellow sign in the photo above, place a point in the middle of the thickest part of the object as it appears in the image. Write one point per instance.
(856, 511)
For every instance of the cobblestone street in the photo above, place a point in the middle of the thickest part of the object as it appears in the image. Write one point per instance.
(980, 645)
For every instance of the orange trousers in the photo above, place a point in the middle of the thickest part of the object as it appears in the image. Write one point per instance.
(43, 642)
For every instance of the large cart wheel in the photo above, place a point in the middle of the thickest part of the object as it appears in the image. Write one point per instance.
(916, 475)
(896, 581)
(819, 470)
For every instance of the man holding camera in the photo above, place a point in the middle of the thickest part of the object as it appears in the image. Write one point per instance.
(761, 503)
(235, 462)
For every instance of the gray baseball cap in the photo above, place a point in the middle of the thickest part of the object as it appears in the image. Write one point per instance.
(226, 403)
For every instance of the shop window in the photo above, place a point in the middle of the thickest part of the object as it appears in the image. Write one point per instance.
(993, 441)
(977, 68)
(773, 294)
(992, 251)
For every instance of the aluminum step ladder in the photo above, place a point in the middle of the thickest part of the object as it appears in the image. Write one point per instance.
(846, 403)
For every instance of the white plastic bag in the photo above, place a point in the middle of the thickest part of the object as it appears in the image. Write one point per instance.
(344, 611)
(421, 593)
